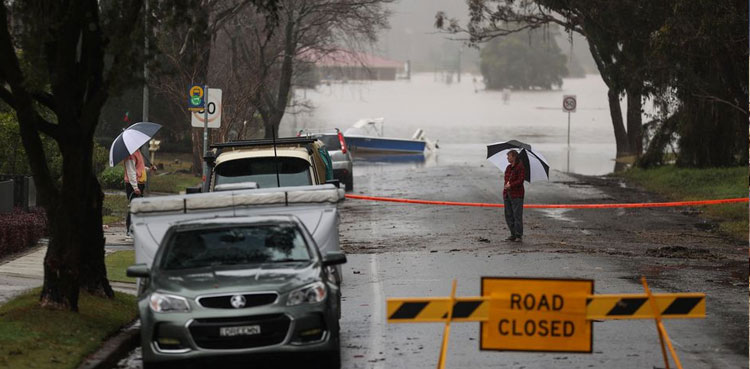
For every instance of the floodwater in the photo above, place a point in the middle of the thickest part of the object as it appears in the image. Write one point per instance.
(463, 118)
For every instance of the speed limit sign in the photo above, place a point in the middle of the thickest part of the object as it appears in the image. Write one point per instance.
(214, 111)
(569, 103)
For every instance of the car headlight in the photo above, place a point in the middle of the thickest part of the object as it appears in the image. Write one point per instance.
(161, 303)
(310, 294)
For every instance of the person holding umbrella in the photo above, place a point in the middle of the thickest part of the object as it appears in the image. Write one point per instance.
(513, 193)
(524, 164)
(136, 171)
(126, 148)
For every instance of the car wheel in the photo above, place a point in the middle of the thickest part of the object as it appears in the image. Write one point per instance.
(331, 360)
(349, 184)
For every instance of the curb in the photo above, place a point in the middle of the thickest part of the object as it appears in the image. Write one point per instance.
(114, 348)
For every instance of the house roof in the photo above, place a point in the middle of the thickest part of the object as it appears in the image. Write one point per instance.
(343, 58)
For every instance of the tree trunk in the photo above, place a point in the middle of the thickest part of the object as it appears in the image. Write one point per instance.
(621, 136)
(93, 271)
(635, 120)
(285, 81)
(60, 289)
(75, 255)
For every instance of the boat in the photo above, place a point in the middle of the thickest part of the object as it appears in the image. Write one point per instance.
(366, 136)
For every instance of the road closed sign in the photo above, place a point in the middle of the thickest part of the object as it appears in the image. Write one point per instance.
(537, 315)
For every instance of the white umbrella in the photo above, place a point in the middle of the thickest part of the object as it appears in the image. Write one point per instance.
(536, 165)
(131, 139)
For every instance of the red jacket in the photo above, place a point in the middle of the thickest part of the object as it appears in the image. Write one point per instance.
(514, 175)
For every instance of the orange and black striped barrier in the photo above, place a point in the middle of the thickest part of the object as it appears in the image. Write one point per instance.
(554, 206)
(545, 315)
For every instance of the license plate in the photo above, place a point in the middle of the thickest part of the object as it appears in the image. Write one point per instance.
(247, 330)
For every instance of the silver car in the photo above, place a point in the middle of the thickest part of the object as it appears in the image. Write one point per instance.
(340, 156)
(239, 286)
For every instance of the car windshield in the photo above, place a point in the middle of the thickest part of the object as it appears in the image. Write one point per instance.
(242, 244)
(331, 142)
(292, 172)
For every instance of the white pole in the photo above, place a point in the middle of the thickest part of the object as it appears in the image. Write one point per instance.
(145, 63)
(145, 78)
(205, 137)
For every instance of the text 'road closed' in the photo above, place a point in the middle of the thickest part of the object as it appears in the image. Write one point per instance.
(537, 315)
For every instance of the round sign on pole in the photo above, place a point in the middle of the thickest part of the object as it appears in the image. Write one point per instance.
(569, 103)
(195, 98)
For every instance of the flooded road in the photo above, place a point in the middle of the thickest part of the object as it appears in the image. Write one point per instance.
(406, 250)
(400, 250)
(463, 117)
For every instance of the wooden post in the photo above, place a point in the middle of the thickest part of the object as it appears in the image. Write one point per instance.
(663, 336)
(447, 329)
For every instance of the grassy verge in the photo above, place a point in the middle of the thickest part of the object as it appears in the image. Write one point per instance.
(117, 263)
(177, 167)
(114, 208)
(172, 182)
(32, 337)
(701, 184)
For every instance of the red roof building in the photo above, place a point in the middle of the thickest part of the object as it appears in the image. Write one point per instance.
(348, 65)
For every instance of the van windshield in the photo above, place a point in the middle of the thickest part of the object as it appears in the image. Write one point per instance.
(233, 245)
(292, 172)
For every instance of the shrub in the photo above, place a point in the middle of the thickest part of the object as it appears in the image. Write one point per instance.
(100, 159)
(112, 178)
(14, 155)
(20, 230)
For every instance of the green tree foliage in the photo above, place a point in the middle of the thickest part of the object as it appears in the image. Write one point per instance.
(14, 156)
(698, 64)
(689, 54)
(523, 61)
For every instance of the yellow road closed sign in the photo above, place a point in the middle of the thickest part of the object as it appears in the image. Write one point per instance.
(531, 314)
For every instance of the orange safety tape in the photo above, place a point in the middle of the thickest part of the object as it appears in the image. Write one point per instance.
(552, 206)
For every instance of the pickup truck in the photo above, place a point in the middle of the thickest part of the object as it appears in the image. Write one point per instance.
(315, 206)
(289, 161)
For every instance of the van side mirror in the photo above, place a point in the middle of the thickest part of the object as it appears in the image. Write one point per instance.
(334, 258)
(334, 182)
(138, 271)
(210, 158)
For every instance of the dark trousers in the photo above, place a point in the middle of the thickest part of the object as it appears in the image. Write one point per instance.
(131, 195)
(514, 215)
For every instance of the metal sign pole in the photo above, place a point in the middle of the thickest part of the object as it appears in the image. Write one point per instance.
(568, 131)
(568, 167)
(205, 137)
(275, 157)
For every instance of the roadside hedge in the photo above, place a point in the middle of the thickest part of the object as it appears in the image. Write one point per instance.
(20, 230)
(112, 178)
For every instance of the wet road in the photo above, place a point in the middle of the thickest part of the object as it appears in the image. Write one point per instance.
(400, 250)
(416, 250)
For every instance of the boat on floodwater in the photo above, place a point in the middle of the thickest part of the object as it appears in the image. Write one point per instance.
(366, 136)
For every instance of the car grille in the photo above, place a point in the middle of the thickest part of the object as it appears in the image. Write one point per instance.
(224, 302)
(273, 330)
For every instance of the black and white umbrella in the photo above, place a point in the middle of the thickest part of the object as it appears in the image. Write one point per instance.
(131, 139)
(536, 165)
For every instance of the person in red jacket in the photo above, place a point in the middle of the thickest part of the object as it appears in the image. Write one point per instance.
(513, 193)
